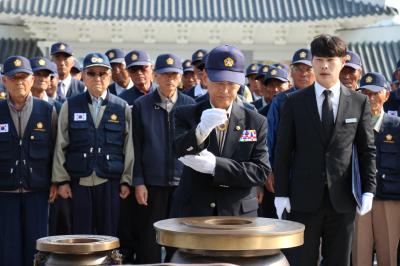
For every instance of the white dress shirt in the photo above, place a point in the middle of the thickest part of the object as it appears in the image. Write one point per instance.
(65, 84)
(199, 91)
(119, 89)
(320, 97)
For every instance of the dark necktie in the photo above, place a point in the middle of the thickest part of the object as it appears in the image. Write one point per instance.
(328, 121)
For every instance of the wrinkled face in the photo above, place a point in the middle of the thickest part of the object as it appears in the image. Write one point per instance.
(376, 99)
(64, 64)
(52, 89)
(302, 75)
(97, 79)
(18, 85)
(222, 94)
(274, 86)
(327, 70)
(141, 75)
(42, 80)
(168, 82)
(349, 77)
(119, 73)
(188, 80)
(198, 73)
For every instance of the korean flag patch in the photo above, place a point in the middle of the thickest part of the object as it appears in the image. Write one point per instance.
(79, 116)
(3, 128)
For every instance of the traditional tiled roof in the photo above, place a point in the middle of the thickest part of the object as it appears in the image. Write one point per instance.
(27, 48)
(196, 10)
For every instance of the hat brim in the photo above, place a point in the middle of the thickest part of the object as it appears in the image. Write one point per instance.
(62, 52)
(169, 70)
(373, 88)
(117, 61)
(188, 70)
(251, 73)
(100, 65)
(19, 70)
(278, 78)
(43, 68)
(354, 66)
(139, 63)
(306, 62)
(226, 75)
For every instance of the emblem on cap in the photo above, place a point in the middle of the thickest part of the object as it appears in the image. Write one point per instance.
(2, 95)
(273, 72)
(279, 66)
(97, 60)
(368, 79)
(200, 54)
(111, 55)
(253, 67)
(17, 63)
(61, 47)
(303, 54)
(170, 61)
(39, 125)
(41, 62)
(228, 62)
(348, 57)
(265, 69)
(134, 57)
(188, 64)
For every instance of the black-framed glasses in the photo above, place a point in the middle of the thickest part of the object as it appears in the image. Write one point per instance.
(96, 74)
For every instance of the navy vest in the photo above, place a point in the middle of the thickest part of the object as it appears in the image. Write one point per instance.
(26, 162)
(91, 149)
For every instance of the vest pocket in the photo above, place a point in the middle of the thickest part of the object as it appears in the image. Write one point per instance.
(114, 163)
(389, 156)
(5, 145)
(7, 178)
(389, 185)
(38, 148)
(76, 162)
(78, 133)
(114, 134)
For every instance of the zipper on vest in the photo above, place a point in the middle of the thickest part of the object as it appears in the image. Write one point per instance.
(20, 152)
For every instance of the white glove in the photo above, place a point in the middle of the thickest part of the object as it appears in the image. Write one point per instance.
(366, 204)
(204, 162)
(211, 118)
(281, 203)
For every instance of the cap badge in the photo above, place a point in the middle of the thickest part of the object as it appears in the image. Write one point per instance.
(17, 63)
(273, 72)
(303, 54)
(348, 57)
(61, 47)
(228, 62)
(111, 55)
(279, 66)
(169, 61)
(188, 64)
(2, 95)
(97, 60)
(41, 62)
(368, 79)
(265, 69)
(253, 67)
(200, 54)
(134, 57)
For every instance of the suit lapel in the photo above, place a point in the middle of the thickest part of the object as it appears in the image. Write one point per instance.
(235, 129)
(342, 109)
(312, 108)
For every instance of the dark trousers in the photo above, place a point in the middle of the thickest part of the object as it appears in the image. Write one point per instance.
(95, 209)
(159, 201)
(335, 229)
(267, 207)
(23, 219)
(60, 220)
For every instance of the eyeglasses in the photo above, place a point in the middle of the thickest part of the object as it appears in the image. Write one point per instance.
(138, 68)
(95, 74)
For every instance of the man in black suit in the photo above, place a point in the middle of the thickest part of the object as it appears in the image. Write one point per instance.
(222, 144)
(313, 176)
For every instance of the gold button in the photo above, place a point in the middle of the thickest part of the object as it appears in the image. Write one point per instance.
(212, 205)
(237, 128)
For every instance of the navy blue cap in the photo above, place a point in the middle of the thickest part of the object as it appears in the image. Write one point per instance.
(302, 56)
(77, 65)
(225, 63)
(42, 63)
(197, 56)
(116, 56)
(374, 81)
(187, 66)
(96, 59)
(276, 73)
(353, 60)
(252, 69)
(262, 71)
(17, 64)
(137, 58)
(281, 66)
(167, 63)
(61, 47)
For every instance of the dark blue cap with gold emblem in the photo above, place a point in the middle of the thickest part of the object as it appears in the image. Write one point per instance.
(281, 66)
(262, 71)
(96, 59)
(252, 69)
(276, 73)
(42, 63)
(353, 60)
(116, 56)
(187, 66)
(225, 63)
(302, 56)
(61, 47)
(17, 64)
(374, 82)
(137, 58)
(197, 57)
(168, 63)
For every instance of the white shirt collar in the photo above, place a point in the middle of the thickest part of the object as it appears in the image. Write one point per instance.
(102, 96)
(319, 90)
(67, 84)
(120, 89)
(378, 123)
(45, 98)
(198, 90)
